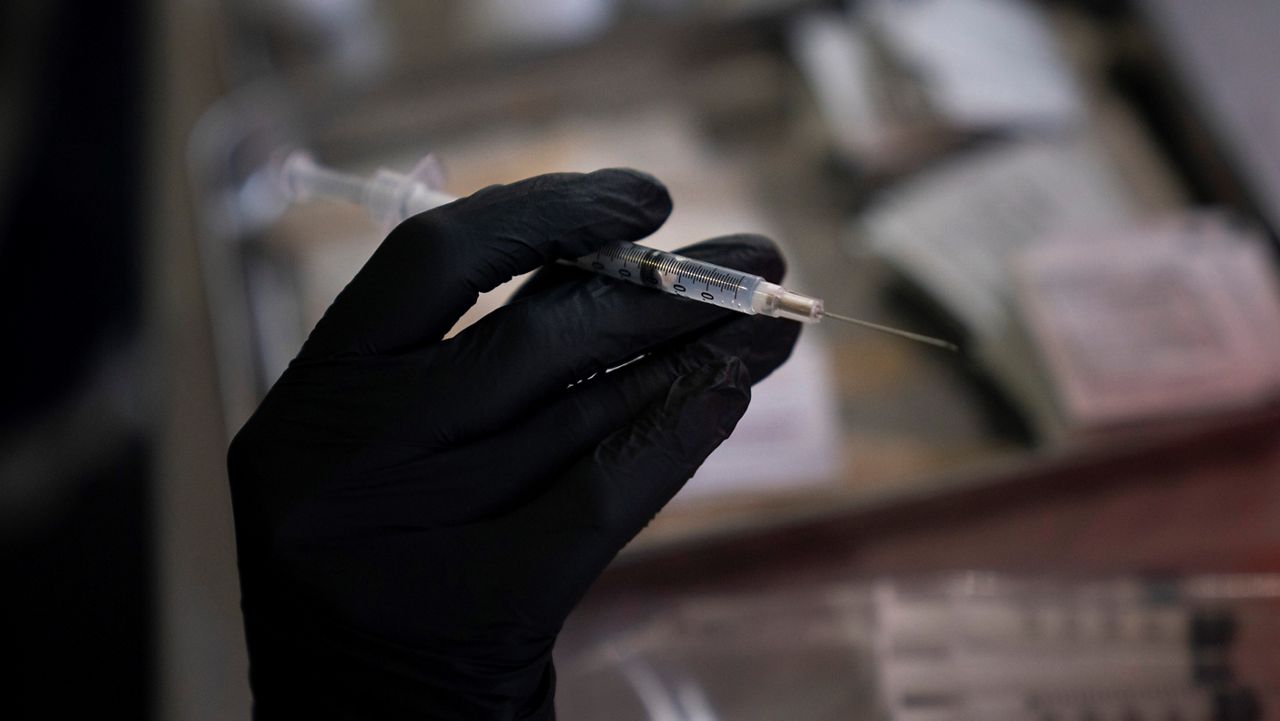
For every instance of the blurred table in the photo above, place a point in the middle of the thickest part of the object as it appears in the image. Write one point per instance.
(1195, 500)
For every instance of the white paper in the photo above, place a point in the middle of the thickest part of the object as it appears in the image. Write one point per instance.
(832, 54)
(982, 63)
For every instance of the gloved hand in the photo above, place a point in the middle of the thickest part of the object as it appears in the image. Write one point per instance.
(415, 517)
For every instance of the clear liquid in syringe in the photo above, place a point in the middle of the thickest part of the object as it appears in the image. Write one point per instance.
(674, 274)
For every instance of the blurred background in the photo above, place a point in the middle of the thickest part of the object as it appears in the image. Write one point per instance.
(1078, 516)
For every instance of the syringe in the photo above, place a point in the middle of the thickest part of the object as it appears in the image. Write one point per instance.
(390, 197)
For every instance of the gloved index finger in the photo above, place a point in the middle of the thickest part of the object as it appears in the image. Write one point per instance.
(431, 268)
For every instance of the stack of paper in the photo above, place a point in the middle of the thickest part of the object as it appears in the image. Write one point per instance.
(1085, 315)
(952, 231)
(1154, 321)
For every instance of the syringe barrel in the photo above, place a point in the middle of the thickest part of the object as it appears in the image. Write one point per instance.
(674, 274)
(701, 281)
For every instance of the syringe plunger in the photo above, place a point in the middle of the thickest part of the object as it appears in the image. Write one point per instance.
(390, 197)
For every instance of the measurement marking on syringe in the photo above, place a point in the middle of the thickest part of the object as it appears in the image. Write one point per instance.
(650, 266)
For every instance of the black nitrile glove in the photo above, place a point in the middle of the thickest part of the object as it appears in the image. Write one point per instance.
(416, 517)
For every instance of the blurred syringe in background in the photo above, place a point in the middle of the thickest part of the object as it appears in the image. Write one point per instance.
(391, 197)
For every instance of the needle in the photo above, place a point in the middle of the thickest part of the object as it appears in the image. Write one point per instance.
(894, 331)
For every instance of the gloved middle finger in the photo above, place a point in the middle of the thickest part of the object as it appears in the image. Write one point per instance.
(500, 369)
